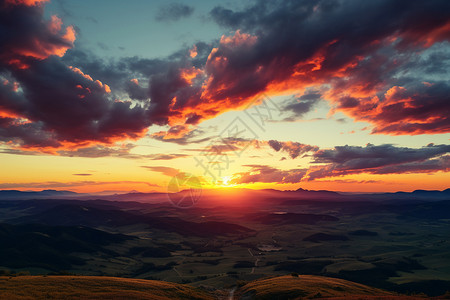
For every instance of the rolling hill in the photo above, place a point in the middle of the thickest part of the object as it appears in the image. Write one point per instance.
(84, 215)
(94, 287)
(86, 287)
(51, 247)
(309, 287)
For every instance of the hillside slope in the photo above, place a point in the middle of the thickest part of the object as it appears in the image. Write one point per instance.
(310, 287)
(94, 287)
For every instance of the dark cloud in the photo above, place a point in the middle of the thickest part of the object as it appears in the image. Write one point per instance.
(294, 149)
(407, 105)
(135, 91)
(100, 151)
(82, 174)
(25, 35)
(49, 104)
(166, 156)
(263, 173)
(352, 181)
(404, 110)
(299, 106)
(359, 50)
(195, 136)
(363, 53)
(19, 152)
(347, 160)
(68, 106)
(382, 159)
(120, 151)
(428, 166)
(173, 12)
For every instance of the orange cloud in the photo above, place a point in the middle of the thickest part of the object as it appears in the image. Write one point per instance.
(46, 39)
(26, 2)
(193, 52)
(190, 74)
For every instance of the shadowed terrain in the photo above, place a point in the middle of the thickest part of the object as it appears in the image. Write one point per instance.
(394, 245)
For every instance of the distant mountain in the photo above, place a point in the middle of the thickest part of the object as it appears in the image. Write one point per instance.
(324, 192)
(23, 195)
(236, 197)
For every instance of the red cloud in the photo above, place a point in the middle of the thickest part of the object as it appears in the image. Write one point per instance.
(422, 109)
(358, 52)
(26, 2)
(29, 36)
(292, 56)
(234, 77)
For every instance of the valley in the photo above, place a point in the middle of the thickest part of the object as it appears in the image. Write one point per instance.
(387, 245)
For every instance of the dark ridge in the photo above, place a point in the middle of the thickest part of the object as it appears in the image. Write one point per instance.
(362, 232)
(319, 237)
(83, 215)
(292, 218)
(50, 247)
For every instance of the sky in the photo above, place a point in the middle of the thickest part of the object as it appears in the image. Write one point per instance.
(114, 96)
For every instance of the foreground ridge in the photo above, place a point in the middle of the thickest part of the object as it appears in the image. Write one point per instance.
(99, 287)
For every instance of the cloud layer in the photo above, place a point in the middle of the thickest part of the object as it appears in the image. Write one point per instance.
(370, 60)
(348, 160)
(382, 159)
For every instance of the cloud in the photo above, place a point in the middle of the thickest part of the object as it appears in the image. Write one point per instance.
(167, 171)
(173, 12)
(357, 60)
(267, 174)
(300, 105)
(369, 60)
(46, 104)
(58, 184)
(120, 151)
(166, 156)
(100, 151)
(294, 149)
(27, 36)
(382, 159)
(191, 137)
(82, 174)
(406, 107)
(25, 2)
(352, 181)
(348, 160)
(135, 91)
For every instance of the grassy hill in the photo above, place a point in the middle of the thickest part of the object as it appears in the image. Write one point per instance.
(95, 287)
(310, 287)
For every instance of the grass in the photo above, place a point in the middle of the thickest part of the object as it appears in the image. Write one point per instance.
(306, 286)
(94, 287)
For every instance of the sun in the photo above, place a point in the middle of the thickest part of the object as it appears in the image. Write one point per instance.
(226, 181)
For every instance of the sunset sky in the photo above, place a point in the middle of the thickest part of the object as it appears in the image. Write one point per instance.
(114, 96)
